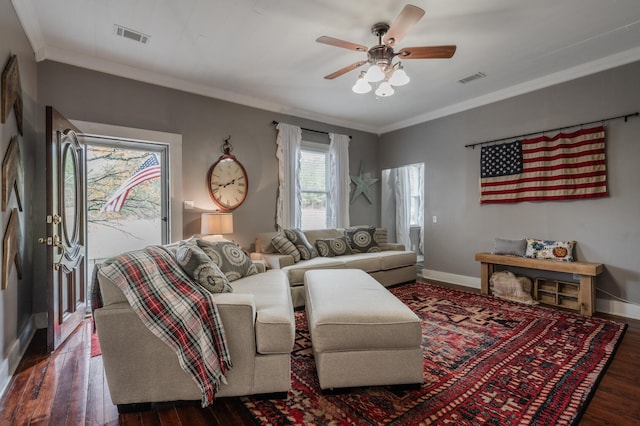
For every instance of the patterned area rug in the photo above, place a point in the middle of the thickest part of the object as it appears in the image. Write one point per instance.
(486, 361)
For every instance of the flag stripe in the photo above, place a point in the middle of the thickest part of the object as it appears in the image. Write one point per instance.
(566, 166)
(148, 170)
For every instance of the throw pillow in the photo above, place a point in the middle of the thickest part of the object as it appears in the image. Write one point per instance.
(285, 246)
(549, 249)
(297, 237)
(331, 247)
(510, 247)
(229, 257)
(194, 261)
(361, 239)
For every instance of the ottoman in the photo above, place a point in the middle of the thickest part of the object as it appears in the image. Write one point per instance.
(362, 335)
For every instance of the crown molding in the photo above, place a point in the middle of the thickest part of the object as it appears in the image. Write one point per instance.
(603, 64)
(30, 24)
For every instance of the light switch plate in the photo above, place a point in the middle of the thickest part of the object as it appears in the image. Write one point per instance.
(189, 205)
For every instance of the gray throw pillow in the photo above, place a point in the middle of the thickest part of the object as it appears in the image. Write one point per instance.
(297, 237)
(510, 247)
(201, 268)
(361, 239)
(285, 246)
(331, 247)
(229, 257)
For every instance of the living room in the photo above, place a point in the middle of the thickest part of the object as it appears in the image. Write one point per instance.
(606, 229)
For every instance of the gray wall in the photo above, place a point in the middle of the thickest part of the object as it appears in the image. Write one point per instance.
(607, 230)
(204, 123)
(16, 301)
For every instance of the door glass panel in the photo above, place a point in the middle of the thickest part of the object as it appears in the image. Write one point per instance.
(70, 194)
(125, 197)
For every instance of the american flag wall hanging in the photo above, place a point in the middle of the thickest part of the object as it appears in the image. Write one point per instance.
(566, 166)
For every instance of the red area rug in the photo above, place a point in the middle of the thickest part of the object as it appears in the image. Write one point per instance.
(486, 361)
(95, 344)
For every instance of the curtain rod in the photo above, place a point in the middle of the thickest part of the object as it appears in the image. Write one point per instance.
(275, 123)
(625, 116)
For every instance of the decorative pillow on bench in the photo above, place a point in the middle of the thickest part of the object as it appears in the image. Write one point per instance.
(332, 247)
(361, 239)
(549, 249)
(510, 247)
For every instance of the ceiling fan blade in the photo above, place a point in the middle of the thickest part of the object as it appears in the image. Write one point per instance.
(341, 43)
(427, 52)
(403, 23)
(344, 70)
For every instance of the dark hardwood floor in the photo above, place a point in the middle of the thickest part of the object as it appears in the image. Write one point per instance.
(68, 387)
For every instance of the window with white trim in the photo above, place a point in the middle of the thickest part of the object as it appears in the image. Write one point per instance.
(314, 185)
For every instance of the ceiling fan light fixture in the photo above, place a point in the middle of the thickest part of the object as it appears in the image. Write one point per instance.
(384, 90)
(361, 86)
(399, 77)
(374, 74)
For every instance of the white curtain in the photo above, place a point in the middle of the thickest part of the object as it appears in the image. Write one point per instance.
(288, 206)
(421, 205)
(339, 181)
(403, 207)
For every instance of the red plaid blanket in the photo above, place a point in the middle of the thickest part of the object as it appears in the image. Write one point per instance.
(175, 309)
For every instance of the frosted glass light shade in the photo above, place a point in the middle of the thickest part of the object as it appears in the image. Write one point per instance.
(216, 223)
(384, 90)
(399, 78)
(361, 86)
(374, 74)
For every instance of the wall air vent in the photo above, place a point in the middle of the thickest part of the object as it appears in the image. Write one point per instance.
(131, 34)
(472, 77)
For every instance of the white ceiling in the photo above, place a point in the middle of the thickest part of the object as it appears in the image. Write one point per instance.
(263, 53)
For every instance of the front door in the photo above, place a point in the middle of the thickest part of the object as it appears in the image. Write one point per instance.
(65, 239)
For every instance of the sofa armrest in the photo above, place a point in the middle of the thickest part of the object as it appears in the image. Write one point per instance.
(260, 265)
(277, 261)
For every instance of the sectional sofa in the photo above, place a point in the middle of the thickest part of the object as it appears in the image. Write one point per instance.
(391, 265)
(258, 322)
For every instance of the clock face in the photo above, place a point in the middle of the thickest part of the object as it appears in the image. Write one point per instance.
(228, 183)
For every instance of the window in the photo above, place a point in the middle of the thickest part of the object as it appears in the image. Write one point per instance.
(314, 185)
(415, 189)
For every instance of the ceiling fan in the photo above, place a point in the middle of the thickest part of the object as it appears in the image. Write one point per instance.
(380, 57)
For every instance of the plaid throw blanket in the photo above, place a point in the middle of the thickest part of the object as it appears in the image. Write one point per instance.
(175, 309)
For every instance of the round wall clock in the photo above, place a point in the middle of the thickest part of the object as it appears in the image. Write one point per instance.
(227, 180)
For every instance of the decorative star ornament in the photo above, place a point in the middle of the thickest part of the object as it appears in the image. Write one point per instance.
(363, 185)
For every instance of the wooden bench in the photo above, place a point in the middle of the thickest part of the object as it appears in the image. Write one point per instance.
(587, 272)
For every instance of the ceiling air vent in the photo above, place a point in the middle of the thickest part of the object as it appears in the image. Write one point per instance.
(131, 34)
(472, 77)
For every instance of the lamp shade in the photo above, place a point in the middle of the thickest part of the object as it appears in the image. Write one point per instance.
(399, 77)
(374, 74)
(384, 90)
(361, 86)
(216, 223)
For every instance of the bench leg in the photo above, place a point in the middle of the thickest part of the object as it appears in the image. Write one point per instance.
(486, 270)
(587, 294)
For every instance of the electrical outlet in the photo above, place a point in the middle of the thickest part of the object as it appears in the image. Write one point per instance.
(189, 205)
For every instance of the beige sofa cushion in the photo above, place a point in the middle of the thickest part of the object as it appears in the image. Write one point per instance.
(322, 234)
(350, 311)
(275, 324)
(296, 272)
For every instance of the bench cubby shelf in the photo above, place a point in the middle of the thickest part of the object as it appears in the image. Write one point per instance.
(578, 296)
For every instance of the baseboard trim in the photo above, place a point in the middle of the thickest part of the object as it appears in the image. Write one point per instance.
(15, 353)
(446, 277)
(606, 306)
(41, 320)
(614, 307)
